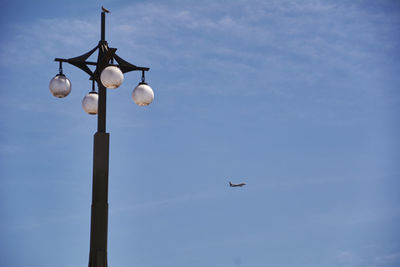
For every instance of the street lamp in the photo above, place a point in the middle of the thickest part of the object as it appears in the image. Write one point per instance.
(107, 74)
(60, 86)
(143, 95)
(90, 101)
(112, 77)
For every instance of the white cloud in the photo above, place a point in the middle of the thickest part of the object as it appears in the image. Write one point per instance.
(389, 258)
(41, 40)
(305, 43)
(349, 258)
(168, 201)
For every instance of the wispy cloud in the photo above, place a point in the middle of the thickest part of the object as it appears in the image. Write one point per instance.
(41, 40)
(324, 51)
(349, 217)
(273, 36)
(351, 258)
(160, 203)
(348, 258)
(389, 258)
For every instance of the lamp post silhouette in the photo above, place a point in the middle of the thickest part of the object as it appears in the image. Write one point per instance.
(106, 75)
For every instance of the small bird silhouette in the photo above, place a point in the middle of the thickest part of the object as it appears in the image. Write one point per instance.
(105, 9)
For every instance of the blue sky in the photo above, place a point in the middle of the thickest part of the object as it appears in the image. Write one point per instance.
(297, 98)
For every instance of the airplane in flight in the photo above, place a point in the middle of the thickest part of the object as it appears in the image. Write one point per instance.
(236, 185)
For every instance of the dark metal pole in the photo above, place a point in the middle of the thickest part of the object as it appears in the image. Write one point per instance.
(101, 117)
(103, 26)
(99, 214)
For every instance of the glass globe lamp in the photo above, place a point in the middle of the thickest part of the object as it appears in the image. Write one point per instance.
(111, 77)
(60, 86)
(90, 103)
(143, 95)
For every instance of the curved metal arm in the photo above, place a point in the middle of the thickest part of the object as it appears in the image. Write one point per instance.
(105, 55)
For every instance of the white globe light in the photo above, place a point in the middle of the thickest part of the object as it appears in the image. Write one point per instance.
(143, 95)
(90, 103)
(60, 86)
(111, 77)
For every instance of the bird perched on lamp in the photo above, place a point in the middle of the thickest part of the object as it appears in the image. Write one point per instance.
(105, 9)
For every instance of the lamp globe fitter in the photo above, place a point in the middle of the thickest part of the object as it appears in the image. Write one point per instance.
(90, 103)
(60, 86)
(111, 77)
(143, 95)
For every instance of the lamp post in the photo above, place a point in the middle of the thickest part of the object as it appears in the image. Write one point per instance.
(106, 75)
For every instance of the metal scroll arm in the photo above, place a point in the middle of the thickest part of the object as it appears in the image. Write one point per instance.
(107, 54)
(80, 61)
(126, 66)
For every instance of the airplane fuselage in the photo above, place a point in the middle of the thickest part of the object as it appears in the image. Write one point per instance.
(236, 185)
